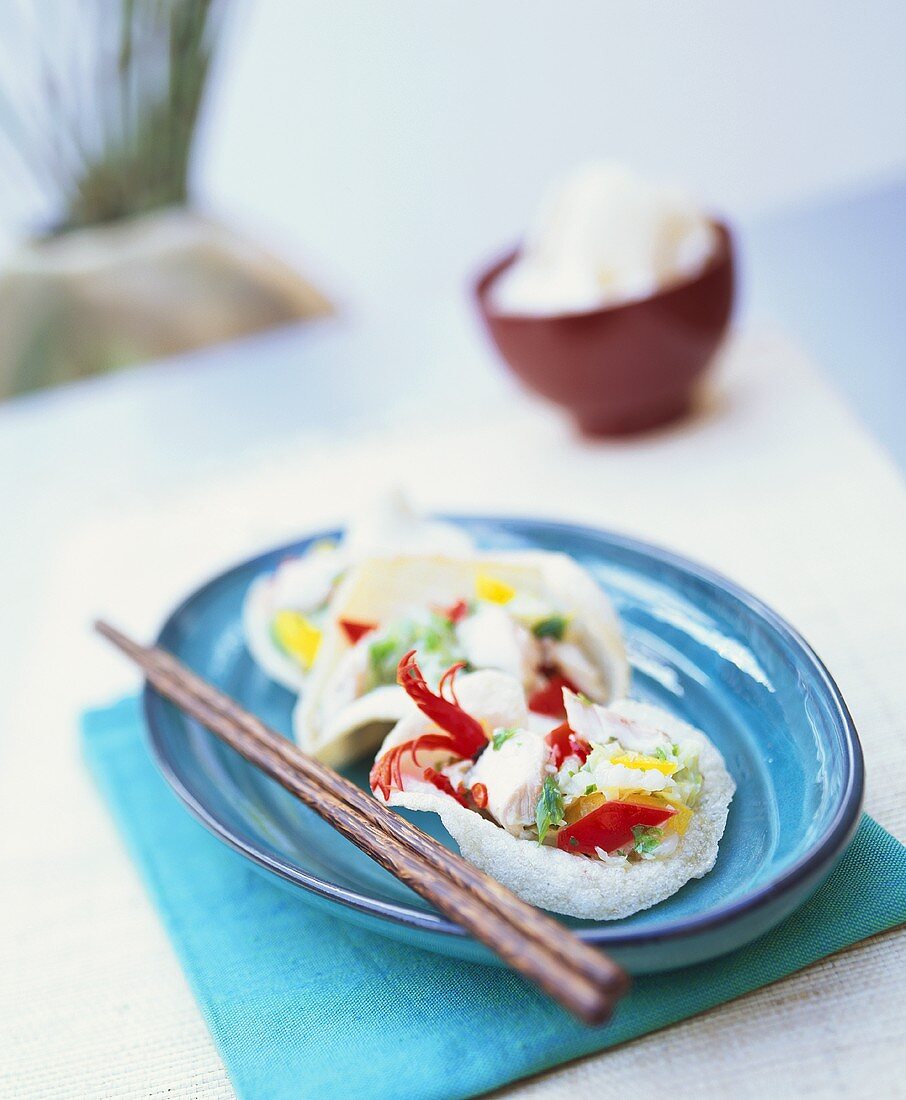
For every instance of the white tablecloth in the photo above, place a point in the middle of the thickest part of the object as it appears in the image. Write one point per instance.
(774, 483)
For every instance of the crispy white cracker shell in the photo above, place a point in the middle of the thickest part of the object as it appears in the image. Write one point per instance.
(576, 885)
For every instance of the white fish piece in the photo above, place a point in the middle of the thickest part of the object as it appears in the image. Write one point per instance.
(541, 723)
(597, 723)
(513, 776)
(576, 667)
(492, 638)
(497, 698)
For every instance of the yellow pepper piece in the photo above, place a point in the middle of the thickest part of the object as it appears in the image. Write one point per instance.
(679, 823)
(645, 763)
(493, 590)
(297, 636)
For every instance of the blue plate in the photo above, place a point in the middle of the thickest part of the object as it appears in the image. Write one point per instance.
(700, 647)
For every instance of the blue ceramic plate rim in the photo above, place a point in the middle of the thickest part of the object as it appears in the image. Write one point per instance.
(818, 857)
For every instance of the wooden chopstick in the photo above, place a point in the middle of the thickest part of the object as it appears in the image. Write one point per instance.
(576, 975)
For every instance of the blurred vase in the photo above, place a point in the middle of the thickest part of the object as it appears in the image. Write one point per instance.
(89, 300)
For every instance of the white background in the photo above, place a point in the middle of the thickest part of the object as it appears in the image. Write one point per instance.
(404, 141)
(394, 145)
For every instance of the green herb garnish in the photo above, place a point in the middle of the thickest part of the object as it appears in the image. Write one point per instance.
(381, 656)
(554, 626)
(438, 634)
(591, 788)
(500, 736)
(549, 811)
(646, 839)
(435, 639)
(660, 754)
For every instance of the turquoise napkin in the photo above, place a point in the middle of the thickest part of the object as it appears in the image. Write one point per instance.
(301, 1004)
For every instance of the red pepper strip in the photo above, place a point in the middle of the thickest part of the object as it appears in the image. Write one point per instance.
(386, 773)
(461, 735)
(564, 742)
(466, 734)
(609, 827)
(354, 630)
(447, 681)
(439, 780)
(548, 700)
(479, 794)
(457, 612)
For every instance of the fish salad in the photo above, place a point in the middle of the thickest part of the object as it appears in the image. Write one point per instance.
(473, 613)
(285, 609)
(605, 812)
(520, 635)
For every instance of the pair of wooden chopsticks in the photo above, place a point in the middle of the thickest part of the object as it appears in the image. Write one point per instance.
(570, 971)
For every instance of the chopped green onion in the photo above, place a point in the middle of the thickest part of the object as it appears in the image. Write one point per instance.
(554, 626)
(646, 839)
(549, 811)
(500, 736)
(434, 638)
(378, 654)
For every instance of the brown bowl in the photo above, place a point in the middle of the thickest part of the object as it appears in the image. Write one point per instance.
(622, 368)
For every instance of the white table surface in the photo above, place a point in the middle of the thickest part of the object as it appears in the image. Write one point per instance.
(81, 454)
